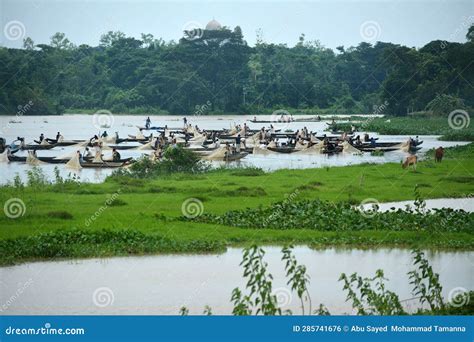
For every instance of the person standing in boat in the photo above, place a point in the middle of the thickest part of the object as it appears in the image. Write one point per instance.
(115, 155)
(147, 123)
(41, 138)
(238, 141)
(185, 122)
(104, 134)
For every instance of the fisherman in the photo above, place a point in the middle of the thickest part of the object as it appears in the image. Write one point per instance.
(254, 118)
(104, 134)
(372, 142)
(366, 137)
(147, 123)
(87, 153)
(238, 140)
(185, 122)
(93, 140)
(416, 141)
(79, 157)
(115, 155)
(41, 138)
(357, 141)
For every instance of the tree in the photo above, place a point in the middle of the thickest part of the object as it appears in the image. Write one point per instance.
(111, 37)
(59, 41)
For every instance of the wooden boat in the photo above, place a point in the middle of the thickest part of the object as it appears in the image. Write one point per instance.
(235, 156)
(103, 165)
(37, 147)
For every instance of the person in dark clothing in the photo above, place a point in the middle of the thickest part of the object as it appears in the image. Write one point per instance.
(238, 140)
(147, 123)
(115, 155)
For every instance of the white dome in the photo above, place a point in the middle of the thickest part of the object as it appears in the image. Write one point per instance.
(213, 25)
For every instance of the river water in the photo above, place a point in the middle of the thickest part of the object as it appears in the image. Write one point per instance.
(164, 283)
(83, 127)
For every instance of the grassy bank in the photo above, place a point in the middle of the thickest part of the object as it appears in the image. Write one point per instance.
(154, 208)
(417, 125)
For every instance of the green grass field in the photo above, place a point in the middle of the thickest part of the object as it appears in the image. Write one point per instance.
(154, 207)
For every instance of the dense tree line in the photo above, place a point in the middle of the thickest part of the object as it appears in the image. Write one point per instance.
(216, 71)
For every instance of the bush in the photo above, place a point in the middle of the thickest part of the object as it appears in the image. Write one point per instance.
(175, 159)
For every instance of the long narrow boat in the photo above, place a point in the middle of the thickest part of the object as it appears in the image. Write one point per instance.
(235, 156)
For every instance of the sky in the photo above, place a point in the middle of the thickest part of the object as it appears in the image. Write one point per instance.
(333, 23)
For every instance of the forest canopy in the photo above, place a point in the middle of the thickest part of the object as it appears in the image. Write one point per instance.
(215, 71)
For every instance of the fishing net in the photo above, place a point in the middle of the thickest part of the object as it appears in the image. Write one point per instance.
(45, 143)
(217, 154)
(272, 144)
(147, 146)
(32, 160)
(314, 139)
(4, 156)
(405, 146)
(98, 157)
(67, 155)
(348, 148)
(257, 150)
(74, 162)
(140, 136)
(81, 144)
(315, 149)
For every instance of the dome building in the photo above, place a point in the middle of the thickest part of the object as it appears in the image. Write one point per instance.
(213, 25)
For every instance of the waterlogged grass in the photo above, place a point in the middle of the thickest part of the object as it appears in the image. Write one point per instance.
(76, 243)
(329, 216)
(414, 126)
(153, 207)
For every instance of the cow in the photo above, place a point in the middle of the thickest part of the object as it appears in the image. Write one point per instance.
(439, 153)
(410, 160)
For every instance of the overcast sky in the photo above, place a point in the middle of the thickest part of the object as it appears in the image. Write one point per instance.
(333, 23)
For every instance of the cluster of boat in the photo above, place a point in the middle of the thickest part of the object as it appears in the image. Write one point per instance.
(224, 145)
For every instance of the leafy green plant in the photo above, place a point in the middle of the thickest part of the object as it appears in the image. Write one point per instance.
(369, 296)
(426, 283)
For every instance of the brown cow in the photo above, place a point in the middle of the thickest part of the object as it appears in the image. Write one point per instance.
(439, 153)
(411, 160)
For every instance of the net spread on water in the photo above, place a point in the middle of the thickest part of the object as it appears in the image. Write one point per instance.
(32, 160)
(74, 162)
(348, 148)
